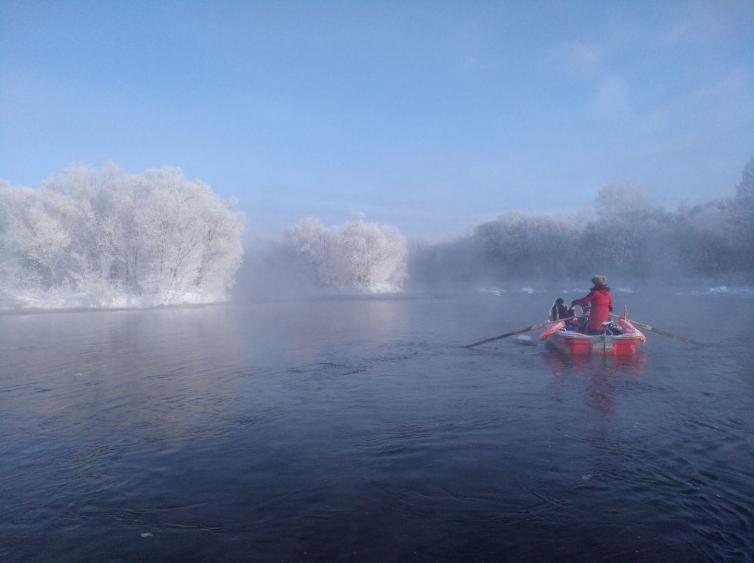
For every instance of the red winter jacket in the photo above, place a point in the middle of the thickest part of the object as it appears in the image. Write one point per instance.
(602, 304)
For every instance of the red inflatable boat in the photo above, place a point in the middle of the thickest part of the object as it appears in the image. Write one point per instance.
(577, 343)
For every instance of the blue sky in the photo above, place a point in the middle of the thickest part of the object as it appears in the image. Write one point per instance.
(431, 116)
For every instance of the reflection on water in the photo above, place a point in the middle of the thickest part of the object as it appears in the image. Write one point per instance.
(601, 374)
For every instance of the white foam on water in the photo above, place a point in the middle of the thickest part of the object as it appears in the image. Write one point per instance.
(524, 340)
(491, 290)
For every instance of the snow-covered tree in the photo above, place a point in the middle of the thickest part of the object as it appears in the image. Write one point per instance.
(625, 233)
(105, 237)
(358, 255)
(524, 244)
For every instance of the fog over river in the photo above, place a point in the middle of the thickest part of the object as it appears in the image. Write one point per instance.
(357, 428)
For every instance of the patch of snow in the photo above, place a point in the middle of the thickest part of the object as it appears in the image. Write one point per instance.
(745, 291)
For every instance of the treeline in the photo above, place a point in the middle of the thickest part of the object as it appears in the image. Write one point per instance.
(118, 239)
(625, 234)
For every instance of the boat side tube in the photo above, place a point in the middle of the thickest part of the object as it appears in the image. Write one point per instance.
(551, 329)
(628, 327)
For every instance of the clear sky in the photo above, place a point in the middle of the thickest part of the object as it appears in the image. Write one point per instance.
(431, 116)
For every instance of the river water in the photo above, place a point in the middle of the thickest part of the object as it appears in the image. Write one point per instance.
(358, 429)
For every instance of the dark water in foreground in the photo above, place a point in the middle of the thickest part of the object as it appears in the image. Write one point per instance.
(355, 430)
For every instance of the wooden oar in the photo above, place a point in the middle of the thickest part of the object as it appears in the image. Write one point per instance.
(660, 331)
(507, 334)
(521, 331)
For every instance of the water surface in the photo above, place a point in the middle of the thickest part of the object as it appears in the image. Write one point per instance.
(358, 429)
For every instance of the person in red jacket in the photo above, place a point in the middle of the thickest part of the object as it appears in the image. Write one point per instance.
(601, 304)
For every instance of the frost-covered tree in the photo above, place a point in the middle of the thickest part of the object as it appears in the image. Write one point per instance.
(625, 233)
(358, 255)
(745, 188)
(105, 237)
(521, 244)
(717, 238)
(33, 238)
(743, 216)
(628, 233)
(704, 239)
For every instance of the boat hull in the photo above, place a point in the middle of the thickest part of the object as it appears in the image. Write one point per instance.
(577, 344)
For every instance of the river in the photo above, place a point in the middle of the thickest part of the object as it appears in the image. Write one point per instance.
(359, 429)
